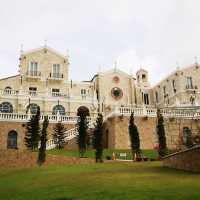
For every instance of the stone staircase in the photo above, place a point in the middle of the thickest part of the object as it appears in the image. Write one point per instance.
(69, 135)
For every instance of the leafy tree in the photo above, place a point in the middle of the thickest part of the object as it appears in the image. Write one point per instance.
(82, 134)
(98, 138)
(134, 137)
(162, 150)
(32, 135)
(43, 140)
(59, 131)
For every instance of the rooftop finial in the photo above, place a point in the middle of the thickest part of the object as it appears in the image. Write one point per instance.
(196, 60)
(115, 65)
(21, 48)
(45, 43)
(177, 65)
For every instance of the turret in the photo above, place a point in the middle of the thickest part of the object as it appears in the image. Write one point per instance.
(142, 78)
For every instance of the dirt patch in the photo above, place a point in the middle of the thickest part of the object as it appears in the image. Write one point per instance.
(17, 158)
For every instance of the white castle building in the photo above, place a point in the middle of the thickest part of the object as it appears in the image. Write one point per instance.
(43, 81)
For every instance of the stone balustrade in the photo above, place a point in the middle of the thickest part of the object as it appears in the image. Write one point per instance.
(52, 118)
(152, 112)
(35, 94)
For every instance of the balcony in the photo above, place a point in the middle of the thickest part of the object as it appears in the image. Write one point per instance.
(57, 94)
(56, 76)
(33, 74)
(191, 88)
(33, 93)
(8, 92)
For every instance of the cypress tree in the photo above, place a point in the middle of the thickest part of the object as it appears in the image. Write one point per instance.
(82, 125)
(59, 131)
(98, 138)
(161, 135)
(43, 140)
(32, 135)
(134, 137)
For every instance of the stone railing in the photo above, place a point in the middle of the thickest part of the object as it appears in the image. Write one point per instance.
(36, 94)
(152, 112)
(8, 92)
(127, 110)
(180, 113)
(69, 134)
(16, 117)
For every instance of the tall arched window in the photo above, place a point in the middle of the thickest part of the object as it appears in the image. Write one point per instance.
(6, 107)
(12, 140)
(59, 108)
(7, 90)
(33, 108)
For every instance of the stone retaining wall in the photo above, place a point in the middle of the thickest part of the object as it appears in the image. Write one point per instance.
(188, 160)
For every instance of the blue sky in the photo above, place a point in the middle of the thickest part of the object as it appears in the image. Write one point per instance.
(152, 34)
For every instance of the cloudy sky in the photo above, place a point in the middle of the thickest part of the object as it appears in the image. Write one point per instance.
(152, 34)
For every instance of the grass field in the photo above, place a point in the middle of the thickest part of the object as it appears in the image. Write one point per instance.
(107, 152)
(127, 181)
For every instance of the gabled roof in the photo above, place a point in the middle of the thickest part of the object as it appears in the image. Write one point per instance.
(43, 48)
(9, 77)
(115, 70)
(174, 72)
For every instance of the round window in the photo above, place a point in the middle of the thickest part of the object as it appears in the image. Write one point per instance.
(116, 79)
(116, 93)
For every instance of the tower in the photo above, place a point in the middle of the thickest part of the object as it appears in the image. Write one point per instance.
(142, 78)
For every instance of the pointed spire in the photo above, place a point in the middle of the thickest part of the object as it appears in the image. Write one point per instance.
(177, 65)
(196, 60)
(115, 65)
(21, 48)
(45, 43)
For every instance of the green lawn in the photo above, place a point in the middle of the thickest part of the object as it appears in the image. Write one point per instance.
(126, 181)
(107, 152)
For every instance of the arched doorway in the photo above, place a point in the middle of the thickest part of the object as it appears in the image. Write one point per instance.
(83, 110)
(33, 108)
(58, 108)
(12, 140)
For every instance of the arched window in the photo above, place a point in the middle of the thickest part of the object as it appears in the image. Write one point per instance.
(6, 107)
(186, 136)
(12, 140)
(7, 90)
(33, 108)
(59, 108)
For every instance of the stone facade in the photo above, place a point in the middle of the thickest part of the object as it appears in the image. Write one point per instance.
(19, 128)
(116, 132)
(43, 81)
